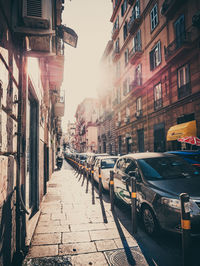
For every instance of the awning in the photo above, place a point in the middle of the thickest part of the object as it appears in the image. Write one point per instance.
(182, 130)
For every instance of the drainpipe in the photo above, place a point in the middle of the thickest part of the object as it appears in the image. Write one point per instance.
(20, 206)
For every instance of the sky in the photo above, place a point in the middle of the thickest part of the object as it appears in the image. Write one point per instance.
(90, 19)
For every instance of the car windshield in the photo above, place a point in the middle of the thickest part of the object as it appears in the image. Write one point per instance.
(108, 163)
(166, 168)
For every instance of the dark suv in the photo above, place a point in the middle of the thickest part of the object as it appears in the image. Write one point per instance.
(160, 179)
(191, 156)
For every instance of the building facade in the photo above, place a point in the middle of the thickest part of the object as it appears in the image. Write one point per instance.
(31, 107)
(86, 128)
(156, 73)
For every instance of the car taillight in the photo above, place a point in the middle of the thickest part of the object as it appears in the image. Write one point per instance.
(196, 165)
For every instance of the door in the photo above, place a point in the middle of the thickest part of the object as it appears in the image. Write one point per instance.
(32, 157)
(159, 138)
(140, 134)
(179, 28)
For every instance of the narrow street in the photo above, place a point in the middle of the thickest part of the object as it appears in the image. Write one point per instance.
(77, 228)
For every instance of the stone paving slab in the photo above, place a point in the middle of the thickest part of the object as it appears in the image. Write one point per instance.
(43, 251)
(76, 237)
(46, 239)
(94, 259)
(77, 248)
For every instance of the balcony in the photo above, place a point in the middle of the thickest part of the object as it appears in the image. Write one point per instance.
(134, 54)
(178, 46)
(59, 106)
(170, 7)
(117, 5)
(138, 114)
(115, 54)
(126, 119)
(136, 83)
(134, 23)
(131, 2)
(158, 104)
(184, 90)
(55, 70)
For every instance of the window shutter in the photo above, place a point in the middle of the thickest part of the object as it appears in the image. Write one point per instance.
(151, 60)
(159, 52)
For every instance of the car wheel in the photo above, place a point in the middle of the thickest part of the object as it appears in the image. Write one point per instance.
(149, 221)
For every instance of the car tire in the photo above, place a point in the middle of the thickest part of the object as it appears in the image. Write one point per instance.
(149, 220)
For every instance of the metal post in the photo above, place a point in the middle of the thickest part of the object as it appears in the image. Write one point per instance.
(133, 205)
(100, 183)
(186, 227)
(112, 190)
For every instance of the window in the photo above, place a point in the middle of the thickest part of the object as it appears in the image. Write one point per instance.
(117, 46)
(126, 57)
(157, 96)
(183, 80)
(116, 24)
(118, 69)
(139, 104)
(138, 75)
(137, 42)
(155, 56)
(126, 85)
(125, 30)
(136, 11)
(124, 8)
(118, 95)
(154, 17)
(119, 117)
(127, 112)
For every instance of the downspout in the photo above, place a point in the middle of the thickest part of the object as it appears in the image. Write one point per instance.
(20, 206)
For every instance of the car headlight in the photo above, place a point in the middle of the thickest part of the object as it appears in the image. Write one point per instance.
(173, 203)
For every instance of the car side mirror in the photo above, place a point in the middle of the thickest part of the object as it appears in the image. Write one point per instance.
(132, 173)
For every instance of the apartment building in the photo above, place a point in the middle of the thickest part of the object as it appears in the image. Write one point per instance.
(86, 128)
(31, 106)
(156, 78)
(105, 120)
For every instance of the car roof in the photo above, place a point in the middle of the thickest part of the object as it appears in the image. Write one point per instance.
(185, 152)
(145, 155)
(108, 157)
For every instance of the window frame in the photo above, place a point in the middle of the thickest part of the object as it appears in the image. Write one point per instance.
(155, 58)
(154, 17)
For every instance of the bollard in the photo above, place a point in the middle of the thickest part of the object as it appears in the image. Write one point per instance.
(100, 183)
(112, 190)
(186, 227)
(133, 205)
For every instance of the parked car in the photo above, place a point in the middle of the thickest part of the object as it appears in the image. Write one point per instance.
(91, 160)
(160, 179)
(191, 156)
(106, 164)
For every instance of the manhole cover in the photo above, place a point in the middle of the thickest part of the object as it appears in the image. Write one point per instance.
(48, 261)
(131, 256)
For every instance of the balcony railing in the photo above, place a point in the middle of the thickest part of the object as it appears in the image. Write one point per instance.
(115, 32)
(170, 7)
(135, 53)
(115, 54)
(178, 45)
(134, 22)
(158, 104)
(184, 90)
(138, 113)
(135, 83)
(116, 6)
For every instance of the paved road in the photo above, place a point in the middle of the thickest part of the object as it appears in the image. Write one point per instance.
(76, 227)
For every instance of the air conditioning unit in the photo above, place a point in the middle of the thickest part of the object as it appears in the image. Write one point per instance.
(37, 13)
